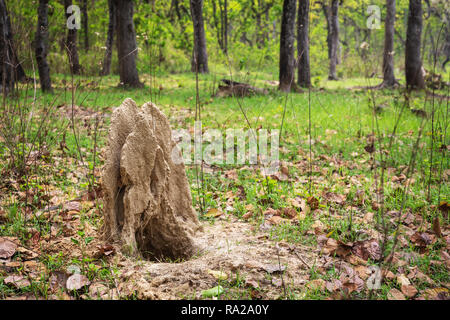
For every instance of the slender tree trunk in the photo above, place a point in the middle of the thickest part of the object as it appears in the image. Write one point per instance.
(225, 27)
(334, 39)
(106, 68)
(10, 68)
(7, 81)
(304, 71)
(446, 47)
(85, 22)
(413, 62)
(287, 39)
(326, 12)
(126, 43)
(388, 55)
(200, 56)
(41, 46)
(219, 28)
(71, 44)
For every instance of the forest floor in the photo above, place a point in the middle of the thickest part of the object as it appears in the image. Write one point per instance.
(315, 230)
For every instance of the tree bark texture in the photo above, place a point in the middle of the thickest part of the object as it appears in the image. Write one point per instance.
(304, 71)
(41, 46)
(200, 56)
(334, 39)
(126, 43)
(11, 70)
(413, 61)
(287, 39)
(388, 55)
(84, 12)
(71, 44)
(106, 68)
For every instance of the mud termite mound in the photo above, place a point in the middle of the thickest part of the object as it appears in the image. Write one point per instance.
(147, 200)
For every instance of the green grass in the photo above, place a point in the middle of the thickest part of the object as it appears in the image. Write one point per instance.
(341, 119)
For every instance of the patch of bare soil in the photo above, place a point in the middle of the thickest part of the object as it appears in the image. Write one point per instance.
(229, 248)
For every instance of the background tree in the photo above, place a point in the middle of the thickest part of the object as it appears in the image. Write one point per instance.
(200, 56)
(10, 68)
(413, 61)
(106, 67)
(41, 46)
(304, 71)
(287, 39)
(333, 38)
(85, 22)
(388, 54)
(71, 44)
(126, 43)
(221, 23)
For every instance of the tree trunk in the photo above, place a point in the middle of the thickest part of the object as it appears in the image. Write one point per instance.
(287, 39)
(85, 22)
(326, 12)
(219, 27)
(126, 43)
(7, 81)
(41, 46)
(388, 55)
(10, 68)
(106, 69)
(304, 71)
(71, 44)
(413, 62)
(200, 57)
(334, 39)
(225, 27)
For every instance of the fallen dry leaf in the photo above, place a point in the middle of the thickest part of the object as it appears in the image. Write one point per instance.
(97, 290)
(247, 215)
(76, 282)
(334, 285)
(367, 249)
(213, 213)
(388, 274)
(289, 213)
(251, 283)
(317, 284)
(355, 260)
(313, 203)
(409, 290)
(330, 246)
(436, 294)
(403, 280)
(276, 220)
(437, 227)
(332, 197)
(72, 206)
(363, 272)
(271, 212)
(7, 248)
(17, 281)
(343, 249)
(105, 250)
(58, 279)
(421, 239)
(395, 294)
